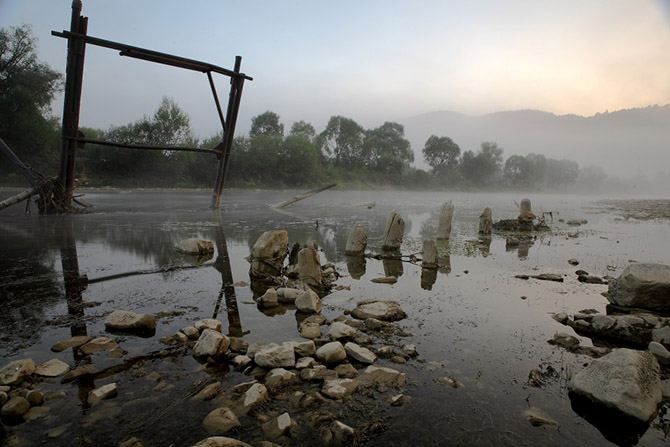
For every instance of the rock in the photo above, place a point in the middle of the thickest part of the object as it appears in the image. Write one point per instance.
(310, 330)
(450, 381)
(538, 418)
(399, 399)
(268, 254)
(97, 345)
(383, 310)
(208, 323)
(564, 340)
(573, 261)
(241, 361)
(486, 222)
(269, 299)
(444, 222)
(16, 372)
(256, 395)
(275, 356)
(305, 362)
(590, 279)
(660, 352)
(303, 348)
(35, 397)
(576, 222)
(73, 342)
(238, 345)
(220, 441)
(124, 321)
(357, 240)
(346, 371)
(276, 427)
(220, 421)
(602, 322)
(318, 373)
(626, 380)
(309, 267)
(359, 353)
(645, 286)
(209, 392)
(525, 207)
(342, 433)
(211, 344)
(180, 337)
(3, 398)
(340, 330)
(287, 295)
(16, 407)
(561, 317)
(661, 335)
(195, 246)
(77, 372)
(58, 431)
(36, 413)
(381, 377)
(385, 280)
(393, 232)
(429, 253)
(131, 442)
(332, 352)
(339, 388)
(308, 302)
(279, 378)
(104, 392)
(191, 332)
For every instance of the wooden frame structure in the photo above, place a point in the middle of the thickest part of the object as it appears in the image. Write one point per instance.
(73, 139)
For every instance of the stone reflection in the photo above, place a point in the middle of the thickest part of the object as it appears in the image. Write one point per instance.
(484, 244)
(428, 277)
(393, 267)
(356, 266)
(520, 244)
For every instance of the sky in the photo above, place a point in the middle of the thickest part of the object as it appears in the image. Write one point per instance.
(373, 61)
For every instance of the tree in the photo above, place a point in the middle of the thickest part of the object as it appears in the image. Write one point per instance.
(342, 140)
(517, 171)
(482, 169)
(385, 149)
(266, 124)
(561, 172)
(441, 154)
(302, 128)
(27, 88)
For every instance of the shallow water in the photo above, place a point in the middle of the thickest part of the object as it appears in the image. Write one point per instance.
(472, 320)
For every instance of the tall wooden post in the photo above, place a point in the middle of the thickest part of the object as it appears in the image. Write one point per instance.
(76, 48)
(234, 98)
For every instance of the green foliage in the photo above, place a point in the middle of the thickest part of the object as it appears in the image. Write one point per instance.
(266, 124)
(386, 151)
(482, 169)
(27, 88)
(342, 142)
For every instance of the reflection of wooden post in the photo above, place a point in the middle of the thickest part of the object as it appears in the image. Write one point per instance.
(234, 98)
(72, 101)
(74, 283)
(222, 264)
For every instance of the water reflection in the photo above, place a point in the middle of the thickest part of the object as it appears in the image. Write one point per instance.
(222, 264)
(356, 266)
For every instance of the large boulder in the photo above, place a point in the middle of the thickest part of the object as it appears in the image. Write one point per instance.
(383, 310)
(268, 254)
(332, 352)
(625, 380)
(309, 267)
(211, 344)
(645, 286)
(16, 372)
(308, 302)
(195, 246)
(275, 356)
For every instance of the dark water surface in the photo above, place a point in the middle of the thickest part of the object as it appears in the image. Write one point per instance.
(472, 320)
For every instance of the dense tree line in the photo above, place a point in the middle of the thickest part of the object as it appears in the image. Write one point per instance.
(344, 151)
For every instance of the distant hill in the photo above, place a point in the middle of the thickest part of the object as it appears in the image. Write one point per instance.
(622, 142)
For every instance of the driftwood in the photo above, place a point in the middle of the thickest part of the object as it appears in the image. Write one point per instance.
(17, 198)
(304, 195)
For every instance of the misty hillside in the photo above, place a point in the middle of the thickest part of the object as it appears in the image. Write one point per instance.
(622, 142)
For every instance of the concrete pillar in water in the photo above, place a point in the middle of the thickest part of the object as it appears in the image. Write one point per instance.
(486, 222)
(429, 253)
(356, 241)
(309, 266)
(524, 208)
(444, 224)
(393, 231)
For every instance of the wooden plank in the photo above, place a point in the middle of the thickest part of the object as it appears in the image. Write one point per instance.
(304, 195)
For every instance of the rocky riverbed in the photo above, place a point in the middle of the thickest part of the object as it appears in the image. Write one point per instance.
(113, 337)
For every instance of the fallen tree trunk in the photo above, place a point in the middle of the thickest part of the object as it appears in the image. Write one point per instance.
(18, 198)
(304, 195)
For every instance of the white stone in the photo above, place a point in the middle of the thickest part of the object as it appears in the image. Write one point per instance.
(309, 267)
(275, 356)
(16, 372)
(380, 309)
(287, 295)
(269, 299)
(122, 320)
(208, 323)
(279, 378)
(444, 222)
(52, 368)
(357, 240)
(308, 302)
(340, 330)
(221, 441)
(256, 395)
(332, 352)
(640, 285)
(381, 376)
(303, 348)
(359, 353)
(104, 392)
(276, 427)
(394, 231)
(220, 421)
(339, 388)
(305, 362)
(211, 344)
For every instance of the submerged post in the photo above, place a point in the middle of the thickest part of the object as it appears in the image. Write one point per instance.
(234, 98)
(76, 48)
